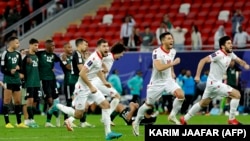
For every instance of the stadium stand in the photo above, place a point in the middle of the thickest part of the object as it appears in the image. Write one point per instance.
(205, 14)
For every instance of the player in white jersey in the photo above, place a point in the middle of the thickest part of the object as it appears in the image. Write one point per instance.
(85, 91)
(116, 52)
(162, 80)
(220, 61)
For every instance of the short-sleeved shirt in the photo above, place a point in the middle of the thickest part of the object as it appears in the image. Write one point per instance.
(46, 65)
(166, 58)
(31, 71)
(219, 64)
(77, 59)
(108, 61)
(94, 65)
(10, 60)
(66, 71)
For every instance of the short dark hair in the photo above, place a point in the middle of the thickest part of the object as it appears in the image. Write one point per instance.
(79, 41)
(100, 41)
(117, 48)
(162, 36)
(12, 38)
(48, 41)
(223, 40)
(33, 41)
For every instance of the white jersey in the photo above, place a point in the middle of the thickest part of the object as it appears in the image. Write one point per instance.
(108, 61)
(219, 64)
(166, 58)
(94, 65)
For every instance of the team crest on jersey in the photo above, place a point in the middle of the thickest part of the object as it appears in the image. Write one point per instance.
(89, 63)
(213, 55)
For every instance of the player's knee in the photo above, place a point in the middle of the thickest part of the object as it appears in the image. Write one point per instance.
(78, 114)
(104, 104)
(235, 94)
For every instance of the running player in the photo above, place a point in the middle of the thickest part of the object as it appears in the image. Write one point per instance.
(220, 61)
(85, 91)
(162, 80)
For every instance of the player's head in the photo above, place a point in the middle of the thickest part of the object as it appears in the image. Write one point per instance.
(67, 48)
(103, 47)
(167, 40)
(118, 50)
(13, 42)
(81, 44)
(226, 44)
(33, 44)
(49, 46)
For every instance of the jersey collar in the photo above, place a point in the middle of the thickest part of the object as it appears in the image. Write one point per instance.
(99, 55)
(223, 52)
(164, 50)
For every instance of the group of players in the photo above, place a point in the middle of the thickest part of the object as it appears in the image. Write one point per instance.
(85, 82)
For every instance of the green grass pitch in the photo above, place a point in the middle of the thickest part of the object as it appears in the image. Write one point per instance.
(97, 133)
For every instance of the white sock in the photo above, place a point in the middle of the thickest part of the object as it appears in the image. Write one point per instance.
(113, 105)
(195, 108)
(106, 120)
(71, 119)
(176, 106)
(67, 110)
(234, 103)
(140, 113)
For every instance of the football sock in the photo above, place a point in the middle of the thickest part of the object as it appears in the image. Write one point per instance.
(195, 108)
(234, 103)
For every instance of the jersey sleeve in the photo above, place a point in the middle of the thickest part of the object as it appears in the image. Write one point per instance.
(77, 57)
(57, 59)
(90, 63)
(24, 65)
(4, 69)
(155, 55)
(20, 62)
(234, 56)
(215, 56)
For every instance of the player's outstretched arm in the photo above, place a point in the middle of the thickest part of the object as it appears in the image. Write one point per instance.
(242, 63)
(200, 66)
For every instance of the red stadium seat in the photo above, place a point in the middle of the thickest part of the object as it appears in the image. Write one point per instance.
(102, 11)
(87, 20)
(72, 28)
(57, 36)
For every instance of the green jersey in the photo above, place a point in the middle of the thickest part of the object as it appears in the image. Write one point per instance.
(46, 65)
(9, 61)
(31, 71)
(77, 59)
(67, 72)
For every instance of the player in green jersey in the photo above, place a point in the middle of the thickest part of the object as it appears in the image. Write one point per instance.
(11, 66)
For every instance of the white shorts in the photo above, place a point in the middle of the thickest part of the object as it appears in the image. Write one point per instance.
(216, 89)
(82, 95)
(111, 92)
(155, 90)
